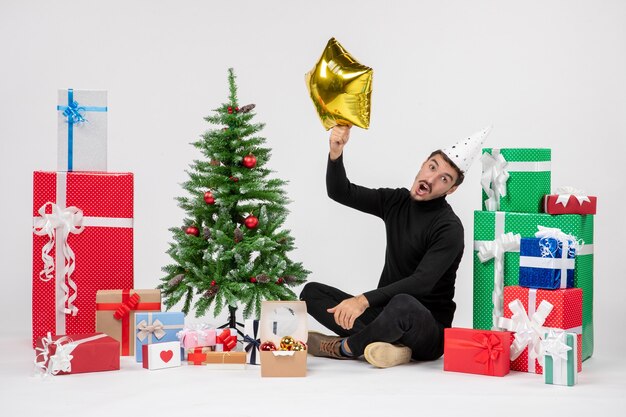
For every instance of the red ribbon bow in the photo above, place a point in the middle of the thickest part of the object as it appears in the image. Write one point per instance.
(490, 349)
(227, 340)
(125, 308)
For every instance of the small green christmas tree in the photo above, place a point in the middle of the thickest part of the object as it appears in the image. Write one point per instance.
(231, 250)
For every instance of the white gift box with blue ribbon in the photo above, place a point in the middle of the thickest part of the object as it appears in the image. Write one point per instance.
(82, 130)
(547, 261)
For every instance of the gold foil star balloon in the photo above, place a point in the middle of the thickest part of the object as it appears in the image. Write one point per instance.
(340, 88)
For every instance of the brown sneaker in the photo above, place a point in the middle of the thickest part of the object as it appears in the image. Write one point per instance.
(319, 344)
(385, 355)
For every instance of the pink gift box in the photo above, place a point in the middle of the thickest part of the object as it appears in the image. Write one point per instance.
(199, 336)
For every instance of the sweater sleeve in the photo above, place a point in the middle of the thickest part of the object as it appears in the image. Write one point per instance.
(340, 189)
(446, 248)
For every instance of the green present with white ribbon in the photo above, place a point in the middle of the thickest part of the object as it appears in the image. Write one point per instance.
(515, 179)
(559, 351)
(497, 261)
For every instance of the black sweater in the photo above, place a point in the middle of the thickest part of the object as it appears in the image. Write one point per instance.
(424, 242)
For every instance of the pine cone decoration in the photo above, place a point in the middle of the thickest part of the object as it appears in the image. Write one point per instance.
(238, 235)
(247, 108)
(282, 240)
(206, 233)
(290, 279)
(262, 279)
(176, 280)
(210, 293)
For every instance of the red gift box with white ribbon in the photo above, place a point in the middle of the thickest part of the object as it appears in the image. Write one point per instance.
(530, 313)
(75, 354)
(569, 200)
(82, 242)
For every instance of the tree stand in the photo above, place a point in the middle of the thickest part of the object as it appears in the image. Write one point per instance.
(232, 321)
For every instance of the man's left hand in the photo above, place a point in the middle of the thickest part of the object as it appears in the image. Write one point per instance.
(347, 311)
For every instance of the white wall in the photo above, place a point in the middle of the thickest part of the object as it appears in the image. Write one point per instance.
(545, 73)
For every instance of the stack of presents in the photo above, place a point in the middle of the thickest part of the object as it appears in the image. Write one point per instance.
(533, 274)
(86, 313)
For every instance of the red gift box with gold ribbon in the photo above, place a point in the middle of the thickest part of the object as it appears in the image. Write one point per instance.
(82, 243)
(115, 313)
(473, 351)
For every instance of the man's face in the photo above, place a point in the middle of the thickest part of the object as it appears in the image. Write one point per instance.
(435, 178)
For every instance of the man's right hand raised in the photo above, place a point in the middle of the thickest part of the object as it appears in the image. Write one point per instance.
(339, 136)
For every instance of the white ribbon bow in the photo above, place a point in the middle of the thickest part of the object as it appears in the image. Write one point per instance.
(61, 361)
(156, 328)
(66, 221)
(567, 242)
(566, 192)
(495, 249)
(554, 345)
(494, 179)
(528, 330)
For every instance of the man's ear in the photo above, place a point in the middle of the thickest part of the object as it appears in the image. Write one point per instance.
(453, 189)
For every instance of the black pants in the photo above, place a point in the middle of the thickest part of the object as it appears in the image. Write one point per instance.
(404, 320)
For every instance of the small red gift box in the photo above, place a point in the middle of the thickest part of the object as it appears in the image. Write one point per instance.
(225, 340)
(198, 355)
(565, 314)
(82, 242)
(79, 353)
(569, 201)
(472, 351)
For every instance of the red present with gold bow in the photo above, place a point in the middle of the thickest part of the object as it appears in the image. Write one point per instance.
(115, 313)
(225, 340)
(82, 242)
(475, 351)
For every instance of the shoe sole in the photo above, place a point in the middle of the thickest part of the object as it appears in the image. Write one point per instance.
(386, 355)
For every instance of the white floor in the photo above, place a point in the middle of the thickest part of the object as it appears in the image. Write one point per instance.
(331, 388)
